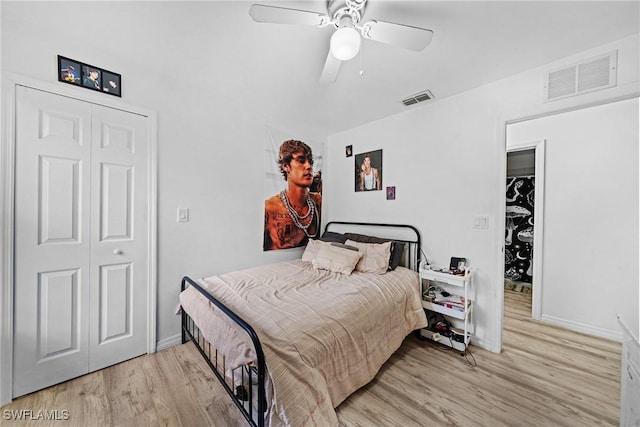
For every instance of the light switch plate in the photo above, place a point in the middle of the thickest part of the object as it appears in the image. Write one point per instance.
(481, 221)
(183, 214)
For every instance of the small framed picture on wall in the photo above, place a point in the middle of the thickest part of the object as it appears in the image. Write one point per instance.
(391, 193)
(89, 77)
(69, 71)
(368, 171)
(111, 83)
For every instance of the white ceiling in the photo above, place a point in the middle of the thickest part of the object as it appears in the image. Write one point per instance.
(276, 68)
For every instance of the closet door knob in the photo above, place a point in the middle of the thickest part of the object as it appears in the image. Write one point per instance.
(117, 252)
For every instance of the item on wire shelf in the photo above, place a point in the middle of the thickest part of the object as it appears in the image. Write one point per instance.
(457, 334)
(453, 306)
(458, 266)
(437, 268)
(445, 299)
(441, 296)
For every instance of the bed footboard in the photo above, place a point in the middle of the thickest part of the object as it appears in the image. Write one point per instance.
(246, 384)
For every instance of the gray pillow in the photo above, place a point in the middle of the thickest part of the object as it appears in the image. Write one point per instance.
(330, 236)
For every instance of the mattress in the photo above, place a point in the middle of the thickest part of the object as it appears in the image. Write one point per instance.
(323, 334)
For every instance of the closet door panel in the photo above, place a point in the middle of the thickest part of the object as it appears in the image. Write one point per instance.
(119, 260)
(116, 208)
(115, 302)
(53, 151)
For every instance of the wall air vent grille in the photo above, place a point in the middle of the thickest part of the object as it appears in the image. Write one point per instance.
(420, 97)
(562, 83)
(594, 74)
(576, 79)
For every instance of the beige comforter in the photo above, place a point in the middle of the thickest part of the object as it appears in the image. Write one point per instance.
(324, 334)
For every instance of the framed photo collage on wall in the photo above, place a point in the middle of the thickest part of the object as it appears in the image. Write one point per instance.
(89, 77)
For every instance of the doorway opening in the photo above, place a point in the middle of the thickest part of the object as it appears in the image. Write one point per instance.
(518, 242)
(524, 199)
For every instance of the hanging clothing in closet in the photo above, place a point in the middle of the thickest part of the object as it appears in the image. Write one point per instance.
(518, 263)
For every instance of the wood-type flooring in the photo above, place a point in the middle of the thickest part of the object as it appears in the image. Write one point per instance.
(545, 376)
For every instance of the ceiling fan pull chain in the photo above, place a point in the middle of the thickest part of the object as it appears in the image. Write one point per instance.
(361, 70)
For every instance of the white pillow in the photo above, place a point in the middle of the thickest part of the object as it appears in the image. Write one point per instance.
(375, 256)
(336, 259)
(311, 250)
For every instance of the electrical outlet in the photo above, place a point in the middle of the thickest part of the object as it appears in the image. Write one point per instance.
(436, 337)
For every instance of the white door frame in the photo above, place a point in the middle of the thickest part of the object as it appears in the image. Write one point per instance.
(626, 92)
(7, 162)
(538, 219)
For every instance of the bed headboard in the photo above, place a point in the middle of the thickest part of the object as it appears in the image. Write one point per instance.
(405, 233)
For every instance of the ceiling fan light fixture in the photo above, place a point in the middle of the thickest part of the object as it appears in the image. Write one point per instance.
(345, 43)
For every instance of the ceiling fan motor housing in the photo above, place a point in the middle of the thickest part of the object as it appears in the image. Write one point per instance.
(346, 12)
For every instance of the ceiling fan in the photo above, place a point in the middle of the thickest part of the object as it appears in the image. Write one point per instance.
(345, 16)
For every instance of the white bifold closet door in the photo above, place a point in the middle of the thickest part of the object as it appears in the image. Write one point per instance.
(81, 238)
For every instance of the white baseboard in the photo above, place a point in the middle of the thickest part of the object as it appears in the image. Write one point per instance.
(485, 345)
(169, 342)
(583, 328)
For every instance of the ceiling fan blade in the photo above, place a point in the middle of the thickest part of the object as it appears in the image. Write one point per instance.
(283, 15)
(406, 36)
(330, 70)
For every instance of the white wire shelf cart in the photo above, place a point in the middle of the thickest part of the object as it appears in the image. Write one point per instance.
(458, 285)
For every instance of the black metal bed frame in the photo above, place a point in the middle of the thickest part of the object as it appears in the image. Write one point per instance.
(242, 395)
(253, 404)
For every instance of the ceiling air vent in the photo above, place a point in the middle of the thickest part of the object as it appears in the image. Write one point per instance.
(583, 77)
(422, 96)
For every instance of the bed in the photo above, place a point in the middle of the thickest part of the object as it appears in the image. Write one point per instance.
(290, 341)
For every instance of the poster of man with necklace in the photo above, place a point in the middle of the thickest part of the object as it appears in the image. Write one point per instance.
(292, 216)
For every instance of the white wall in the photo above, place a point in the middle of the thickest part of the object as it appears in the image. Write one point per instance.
(590, 251)
(447, 160)
(210, 143)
